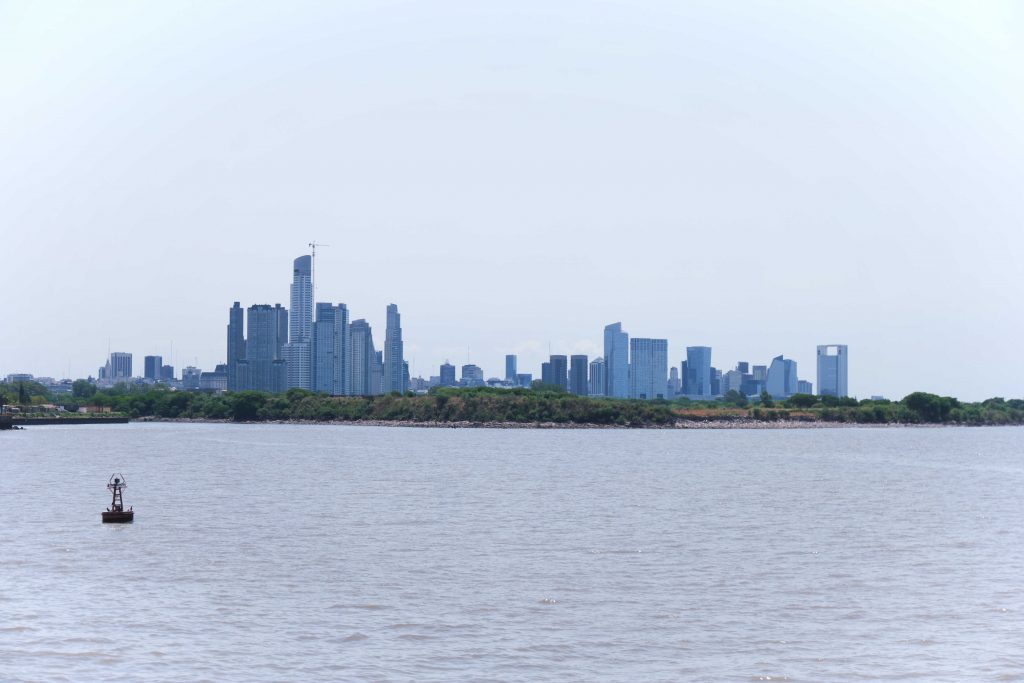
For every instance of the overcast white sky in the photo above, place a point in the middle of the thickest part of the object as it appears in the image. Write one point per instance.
(759, 177)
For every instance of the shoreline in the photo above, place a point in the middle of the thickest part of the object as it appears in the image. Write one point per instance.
(743, 423)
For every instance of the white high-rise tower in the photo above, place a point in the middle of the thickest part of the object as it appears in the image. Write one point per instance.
(298, 352)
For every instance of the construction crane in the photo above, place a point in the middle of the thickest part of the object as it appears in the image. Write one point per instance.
(312, 276)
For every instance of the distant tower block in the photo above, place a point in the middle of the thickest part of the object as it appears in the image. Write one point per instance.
(832, 370)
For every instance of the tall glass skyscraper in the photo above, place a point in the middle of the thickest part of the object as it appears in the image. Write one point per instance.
(559, 369)
(363, 359)
(782, 380)
(832, 370)
(153, 366)
(393, 349)
(300, 331)
(648, 368)
(697, 380)
(616, 361)
(264, 365)
(578, 375)
(597, 377)
(331, 354)
(510, 368)
(236, 345)
(447, 376)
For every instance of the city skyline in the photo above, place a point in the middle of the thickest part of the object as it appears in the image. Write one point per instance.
(278, 365)
(510, 189)
(280, 351)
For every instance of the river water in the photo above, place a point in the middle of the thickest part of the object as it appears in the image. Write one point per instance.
(325, 553)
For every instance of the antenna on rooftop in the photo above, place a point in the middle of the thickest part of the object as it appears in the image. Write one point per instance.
(312, 276)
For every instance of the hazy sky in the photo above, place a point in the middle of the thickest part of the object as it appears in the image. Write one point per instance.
(759, 177)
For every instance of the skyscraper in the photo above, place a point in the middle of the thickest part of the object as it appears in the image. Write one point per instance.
(377, 374)
(236, 345)
(331, 352)
(675, 386)
(299, 350)
(153, 366)
(118, 368)
(597, 380)
(578, 375)
(266, 332)
(447, 377)
(393, 361)
(832, 370)
(363, 358)
(472, 375)
(782, 380)
(648, 368)
(510, 368)
(559, 369)
(545, 373)
(697, 378)
(616, 361)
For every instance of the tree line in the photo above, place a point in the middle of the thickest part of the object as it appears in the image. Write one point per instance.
(485, 404)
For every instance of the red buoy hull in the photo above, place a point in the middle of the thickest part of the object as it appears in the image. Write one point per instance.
(118, 516)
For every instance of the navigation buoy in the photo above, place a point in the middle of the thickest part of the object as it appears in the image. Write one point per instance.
(116, 511)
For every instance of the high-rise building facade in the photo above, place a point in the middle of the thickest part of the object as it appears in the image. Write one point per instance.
(447, 376)
(675, 386)
(510, 368)
(363, 358)
(120, 365)
(377, 373)
(616, 361)
(804, 387)
(236, 345)
(118, 369)
(264, 367)
(578, 375)
(298, 353)
(597, 380)
(832, 370)
(648, 368)
(697, 376)
(393, 350)
(732, 381)
(331, 353)
(472, 376)
(559, 369)
(190, 377)
(782, 381)
(153, 366)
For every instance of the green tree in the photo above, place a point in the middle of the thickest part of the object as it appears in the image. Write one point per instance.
(766, 400)
(82, 388)
(801, 401)
(735, 398)
(246, 405)
(929, 407)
